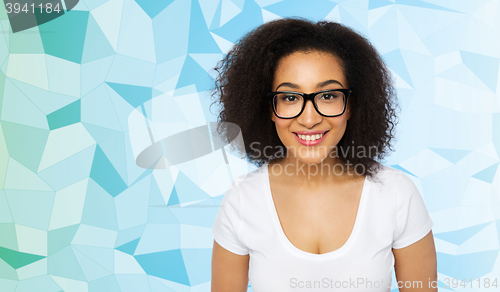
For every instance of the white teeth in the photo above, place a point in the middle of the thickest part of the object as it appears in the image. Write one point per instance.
(310, 137)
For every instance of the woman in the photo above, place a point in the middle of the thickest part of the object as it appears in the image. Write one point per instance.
(316, 109)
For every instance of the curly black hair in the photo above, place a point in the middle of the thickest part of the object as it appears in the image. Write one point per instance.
(246, 73)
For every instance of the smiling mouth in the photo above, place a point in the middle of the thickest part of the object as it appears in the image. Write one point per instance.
(313, 137)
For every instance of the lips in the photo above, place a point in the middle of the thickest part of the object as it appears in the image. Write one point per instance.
(310, 132)
(300, 135)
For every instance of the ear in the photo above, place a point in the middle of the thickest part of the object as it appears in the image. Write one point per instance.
(273, 117)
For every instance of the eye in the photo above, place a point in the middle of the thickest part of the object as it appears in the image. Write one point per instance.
(331, 95)
(289, 97)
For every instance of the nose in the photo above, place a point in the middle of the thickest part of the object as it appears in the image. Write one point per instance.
(309, 117)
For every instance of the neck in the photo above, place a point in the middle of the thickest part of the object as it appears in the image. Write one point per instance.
(304, 174)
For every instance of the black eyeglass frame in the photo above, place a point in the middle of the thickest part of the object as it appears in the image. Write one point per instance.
(310, 96)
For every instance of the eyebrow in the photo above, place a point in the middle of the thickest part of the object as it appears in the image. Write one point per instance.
(321, 84)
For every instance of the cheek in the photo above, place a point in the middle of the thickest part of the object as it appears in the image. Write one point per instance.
(282, 127)
(339, 125)
(339, 121)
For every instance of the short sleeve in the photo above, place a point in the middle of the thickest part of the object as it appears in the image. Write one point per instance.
(228, 223)
(413, 220)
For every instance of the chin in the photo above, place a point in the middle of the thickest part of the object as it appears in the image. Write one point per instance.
(311, 158)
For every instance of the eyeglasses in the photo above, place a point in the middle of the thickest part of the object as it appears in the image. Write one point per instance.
(328, 103)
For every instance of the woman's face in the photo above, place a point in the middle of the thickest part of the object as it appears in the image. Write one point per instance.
(309, 72)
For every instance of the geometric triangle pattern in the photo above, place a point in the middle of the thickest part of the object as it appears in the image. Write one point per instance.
(65, 116)
(18, 259)
(488, 174)
(129, 247)
(460, 236)
(95, 193)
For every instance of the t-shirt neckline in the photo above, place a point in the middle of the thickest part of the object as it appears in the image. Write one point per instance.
(295, 250)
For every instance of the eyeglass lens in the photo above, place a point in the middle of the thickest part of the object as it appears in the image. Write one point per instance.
(329, 103)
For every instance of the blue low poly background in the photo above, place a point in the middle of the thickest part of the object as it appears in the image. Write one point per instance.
(93, 101)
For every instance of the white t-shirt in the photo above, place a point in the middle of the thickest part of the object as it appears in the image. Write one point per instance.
(391, 214)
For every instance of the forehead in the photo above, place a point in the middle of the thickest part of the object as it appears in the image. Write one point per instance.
(305, 68)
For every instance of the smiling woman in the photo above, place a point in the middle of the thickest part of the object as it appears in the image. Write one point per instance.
(310, 71)
(312, 101)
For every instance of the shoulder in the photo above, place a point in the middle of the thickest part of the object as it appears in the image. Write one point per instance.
(247, 196)
(389, 176)
(249, 183)
(393, 182)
